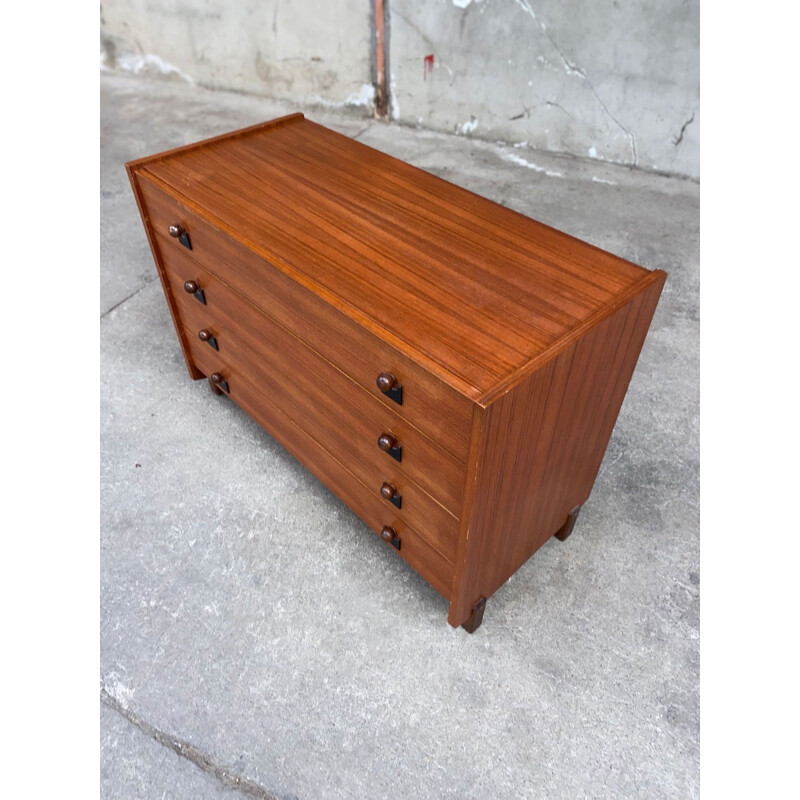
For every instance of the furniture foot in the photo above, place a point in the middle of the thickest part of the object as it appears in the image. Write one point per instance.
(476, 617)
(566, 529)
(214, 387)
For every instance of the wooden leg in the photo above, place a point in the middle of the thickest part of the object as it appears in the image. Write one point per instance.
(214, 387)
(566, 529)
(476, 617)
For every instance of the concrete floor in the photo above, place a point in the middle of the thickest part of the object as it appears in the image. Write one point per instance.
(258, 641)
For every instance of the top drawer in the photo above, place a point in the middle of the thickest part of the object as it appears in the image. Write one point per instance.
(427, 402)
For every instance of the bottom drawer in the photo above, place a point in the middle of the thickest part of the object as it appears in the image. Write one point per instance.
(428, 562)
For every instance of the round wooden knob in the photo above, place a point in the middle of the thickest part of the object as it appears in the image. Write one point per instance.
(386, 381)
(388, 534)
(175, 230)
(191, 286)
(386, 442)
(205, 335)
(388, 491)
(215, 377)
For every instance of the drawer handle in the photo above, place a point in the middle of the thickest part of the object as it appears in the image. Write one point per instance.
(389, 445)
(192, 287)
(390, 535)
(388, 492)
(388, 384)
(206, 336)
(177, 231)
(218, 381)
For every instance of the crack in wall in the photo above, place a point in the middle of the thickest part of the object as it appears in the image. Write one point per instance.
(679, 138)
(526, 110)
(229, 779)
(572, 69)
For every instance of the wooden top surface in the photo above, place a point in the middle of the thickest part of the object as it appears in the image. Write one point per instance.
(478, 293)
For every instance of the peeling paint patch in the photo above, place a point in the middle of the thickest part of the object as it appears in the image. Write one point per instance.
(593, 152)
(150, 62)
(365, 96)
(603, 180)
(465, 128)
(463, 3)
(394, 107)
(515, 159)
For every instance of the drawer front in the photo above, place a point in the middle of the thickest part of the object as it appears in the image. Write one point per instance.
(377, 514)
(332, 408)
(427, 403)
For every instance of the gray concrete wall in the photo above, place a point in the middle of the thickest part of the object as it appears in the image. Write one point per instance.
(604, 79)
(308, 51)
(599, 78)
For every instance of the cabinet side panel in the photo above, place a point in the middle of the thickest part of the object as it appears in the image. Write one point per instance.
(541, 445)
(151, 238)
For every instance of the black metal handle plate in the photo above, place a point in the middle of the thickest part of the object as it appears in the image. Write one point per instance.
(177, 231)
(396, 452)
(217, 380)
(396, 394)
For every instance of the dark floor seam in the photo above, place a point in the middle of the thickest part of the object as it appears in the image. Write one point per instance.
(229, 780)
(363, 130)
(125, 299)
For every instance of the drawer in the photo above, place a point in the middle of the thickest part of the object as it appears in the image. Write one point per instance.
(427, 402)
(328, 404)
(367, 504)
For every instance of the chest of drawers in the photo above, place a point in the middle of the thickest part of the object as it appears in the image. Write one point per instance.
(451, 369)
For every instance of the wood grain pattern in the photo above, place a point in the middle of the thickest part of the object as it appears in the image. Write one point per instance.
(437, 409)
(341, 417)
(476, 287)
(319, 398)
(415, 549)
(540, 447)
(325, 264)
(137, 164)
(136, 185)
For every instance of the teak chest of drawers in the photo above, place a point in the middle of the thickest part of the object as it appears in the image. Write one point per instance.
(451, 369)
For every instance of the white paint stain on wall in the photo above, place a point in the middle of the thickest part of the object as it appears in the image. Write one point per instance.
(150, 62)
(365, 96)
(465, 128)
(394, 106)
(463, 3)
(515, 159)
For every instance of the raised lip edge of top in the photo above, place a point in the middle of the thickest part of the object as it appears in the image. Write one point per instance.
(278, 122)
